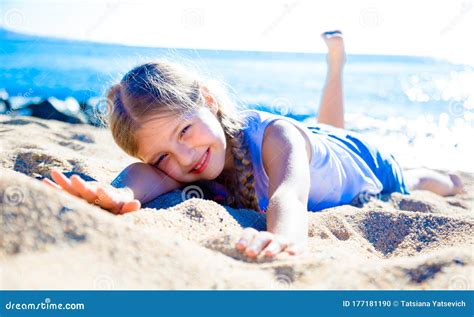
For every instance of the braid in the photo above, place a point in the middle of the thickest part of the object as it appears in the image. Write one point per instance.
(239, 182)
(245, 189)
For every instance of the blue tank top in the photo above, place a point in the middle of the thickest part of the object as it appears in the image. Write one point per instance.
(342, 165)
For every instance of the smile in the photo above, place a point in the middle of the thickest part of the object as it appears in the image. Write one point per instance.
(202, 164)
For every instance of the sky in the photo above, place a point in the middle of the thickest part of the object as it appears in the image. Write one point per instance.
(442, 28)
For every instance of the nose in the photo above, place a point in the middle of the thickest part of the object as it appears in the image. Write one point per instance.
(185, 155)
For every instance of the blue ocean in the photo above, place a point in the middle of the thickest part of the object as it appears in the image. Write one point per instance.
(419, 108)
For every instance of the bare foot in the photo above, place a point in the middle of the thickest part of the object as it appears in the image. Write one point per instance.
(336, 53)
(444, 184)
(458, 186)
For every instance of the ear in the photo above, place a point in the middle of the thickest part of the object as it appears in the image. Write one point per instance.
(209, 99)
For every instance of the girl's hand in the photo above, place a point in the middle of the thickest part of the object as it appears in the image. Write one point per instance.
(255, 242)
(112, 200)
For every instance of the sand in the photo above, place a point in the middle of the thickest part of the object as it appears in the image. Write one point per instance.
(51, 240)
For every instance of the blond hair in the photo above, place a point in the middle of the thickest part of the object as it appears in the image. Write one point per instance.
(160, 86)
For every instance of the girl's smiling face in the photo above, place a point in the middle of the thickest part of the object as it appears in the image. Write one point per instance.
(177, 144)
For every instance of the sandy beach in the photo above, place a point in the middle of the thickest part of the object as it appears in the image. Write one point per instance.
(51, 240)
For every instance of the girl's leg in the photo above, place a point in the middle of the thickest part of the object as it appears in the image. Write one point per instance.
(441, 184)
(331, 108)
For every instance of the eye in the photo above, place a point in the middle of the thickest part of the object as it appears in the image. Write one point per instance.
(160, 159)
(184, 130)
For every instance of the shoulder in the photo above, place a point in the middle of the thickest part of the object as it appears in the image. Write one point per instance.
(282, 136)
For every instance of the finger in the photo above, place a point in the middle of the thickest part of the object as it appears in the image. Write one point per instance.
(130, 206)
(64, 182)
(48, 182)
(296, 249)
(259, 242)
(247, 236)
(274, 247)
(107, 201)
(83, 189)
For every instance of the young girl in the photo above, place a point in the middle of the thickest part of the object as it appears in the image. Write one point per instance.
(184, 132)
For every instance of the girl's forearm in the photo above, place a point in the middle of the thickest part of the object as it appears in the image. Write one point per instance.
(288, 216)
(145, 181)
